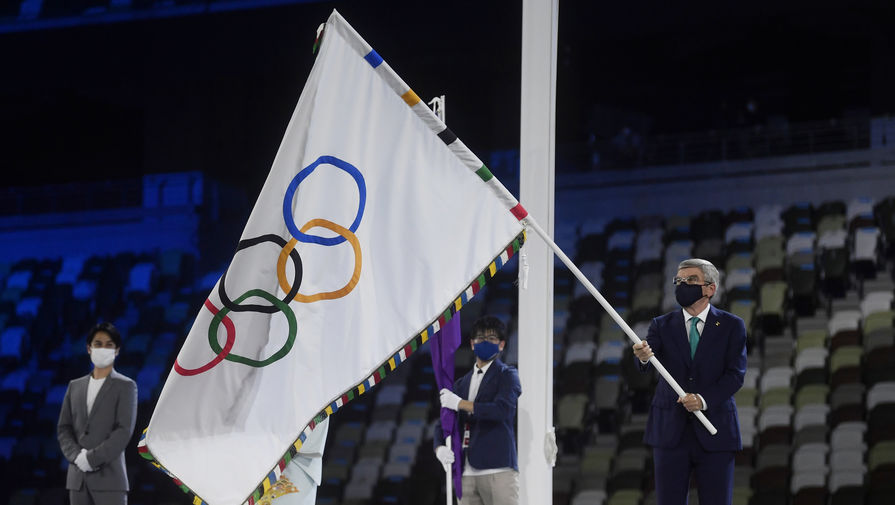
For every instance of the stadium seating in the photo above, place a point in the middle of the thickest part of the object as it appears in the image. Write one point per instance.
(813, 283)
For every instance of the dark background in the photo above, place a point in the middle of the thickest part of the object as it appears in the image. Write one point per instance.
(213, 91)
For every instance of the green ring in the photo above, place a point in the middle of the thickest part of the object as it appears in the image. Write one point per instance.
(216, 323)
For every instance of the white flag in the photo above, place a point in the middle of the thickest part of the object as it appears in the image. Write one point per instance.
(374, 226)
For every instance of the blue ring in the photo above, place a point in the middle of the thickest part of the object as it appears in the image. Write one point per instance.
(290, 193)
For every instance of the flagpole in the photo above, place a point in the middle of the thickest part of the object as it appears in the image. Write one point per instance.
(530, 222)
(449, 495)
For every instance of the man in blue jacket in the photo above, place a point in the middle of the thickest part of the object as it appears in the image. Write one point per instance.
(704, 349)
(485, 399)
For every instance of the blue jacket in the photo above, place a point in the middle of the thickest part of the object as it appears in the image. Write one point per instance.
(492, 439)
(716, 372)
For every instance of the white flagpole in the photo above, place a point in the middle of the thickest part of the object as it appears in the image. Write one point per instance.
(530, 222)
(438, 108)
(449, 496)
(537, 112)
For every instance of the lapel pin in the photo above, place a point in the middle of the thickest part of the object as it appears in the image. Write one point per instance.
(717, 323)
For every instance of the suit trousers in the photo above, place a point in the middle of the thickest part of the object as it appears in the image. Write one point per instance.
(501, 488)
(673, 467)
(85, 496)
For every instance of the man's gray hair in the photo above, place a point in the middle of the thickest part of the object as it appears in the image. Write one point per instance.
(709, 272)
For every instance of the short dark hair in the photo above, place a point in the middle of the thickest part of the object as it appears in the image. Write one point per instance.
(485, 323)
(106, 327)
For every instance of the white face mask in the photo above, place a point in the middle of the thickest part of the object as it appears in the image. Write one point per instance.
(102, 357)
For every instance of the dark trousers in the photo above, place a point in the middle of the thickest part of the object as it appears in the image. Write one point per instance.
(713, 471)
(84, 496)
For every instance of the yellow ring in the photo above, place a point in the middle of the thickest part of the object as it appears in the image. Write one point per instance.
(329, 295)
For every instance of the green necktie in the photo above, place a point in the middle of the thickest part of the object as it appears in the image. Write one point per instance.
(694, 335)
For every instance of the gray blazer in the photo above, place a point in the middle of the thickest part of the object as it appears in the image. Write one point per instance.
(104, 433)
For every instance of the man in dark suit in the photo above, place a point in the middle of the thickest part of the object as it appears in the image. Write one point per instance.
(96, 423)
(704, 349)
(485, 399)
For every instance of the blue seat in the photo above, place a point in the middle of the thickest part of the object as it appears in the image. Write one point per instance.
(6, 446)
(84, 290)
(147, 380)
(28, 306)
(15, 381)
(11, 341)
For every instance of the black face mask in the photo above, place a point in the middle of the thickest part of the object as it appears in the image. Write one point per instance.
(687, 294)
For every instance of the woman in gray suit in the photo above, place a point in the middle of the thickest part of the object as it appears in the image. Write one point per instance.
(96, 423)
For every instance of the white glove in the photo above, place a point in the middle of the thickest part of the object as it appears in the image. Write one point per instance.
(445, 455)
(448, 399)
(82, 463)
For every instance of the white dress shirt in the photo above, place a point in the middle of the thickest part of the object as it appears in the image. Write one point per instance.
(476, 380)
(93, 388)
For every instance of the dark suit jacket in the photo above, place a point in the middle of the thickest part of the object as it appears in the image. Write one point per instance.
(104, 433)
(716, 372)
(492, 438)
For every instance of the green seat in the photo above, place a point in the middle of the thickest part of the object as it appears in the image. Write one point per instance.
(745, 309)
(811, 338)
(739, 260)
(376, 449)
(882, 453)
(776, 396)
(845, 356)
(631, 459)
(878, 320)
(613, 333)
(771, 298)
(745, 397)
(881, 337)
(583, 333)
(812, 394)
(647, 299)
(336, 471)
(596, 461)
(625, 497)
(571, 411)
(350, 432)
(741, 495)
(769, 253)
(830, 222)
(415, 410)
(675, 222)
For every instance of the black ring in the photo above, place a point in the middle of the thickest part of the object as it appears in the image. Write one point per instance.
(267, 309)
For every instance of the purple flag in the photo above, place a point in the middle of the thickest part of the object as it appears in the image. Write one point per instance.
(444, 344)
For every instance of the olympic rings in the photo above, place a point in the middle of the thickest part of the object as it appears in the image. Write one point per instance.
(287, 251)
(231, 339)
(287, 346)
(329, 295)
(290, 293)
(290, 193)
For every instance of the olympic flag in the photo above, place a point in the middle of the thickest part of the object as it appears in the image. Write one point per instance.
(375, 225)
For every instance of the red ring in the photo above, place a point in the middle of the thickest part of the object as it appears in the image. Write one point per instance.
(231, 339)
